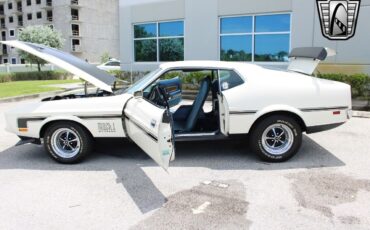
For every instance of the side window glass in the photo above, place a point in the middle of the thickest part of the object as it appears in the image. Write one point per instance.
(113, 64)
(229, 79)
(176, 83)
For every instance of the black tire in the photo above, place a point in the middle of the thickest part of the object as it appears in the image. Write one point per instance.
(86, 142)
(262, 147)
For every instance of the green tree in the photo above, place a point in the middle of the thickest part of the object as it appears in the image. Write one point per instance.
(104, 57)
(171, 49)
(41, 35)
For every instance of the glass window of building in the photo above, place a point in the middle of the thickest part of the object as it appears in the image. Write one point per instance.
(11, 19)
(29, 16)
(160, 41)
(29, 2)
(257, 38)
(39, 15)
(11, 33)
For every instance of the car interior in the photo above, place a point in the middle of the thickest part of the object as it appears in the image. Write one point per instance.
(191, 96)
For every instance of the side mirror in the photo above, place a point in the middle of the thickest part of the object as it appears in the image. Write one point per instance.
(139, 94)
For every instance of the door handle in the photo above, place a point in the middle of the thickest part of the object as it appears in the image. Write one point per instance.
(153, 123)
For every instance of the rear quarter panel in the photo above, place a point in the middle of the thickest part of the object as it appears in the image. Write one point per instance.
(266, 91)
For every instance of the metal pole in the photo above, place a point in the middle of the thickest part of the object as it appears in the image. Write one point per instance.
(85, 88)
(131, 79)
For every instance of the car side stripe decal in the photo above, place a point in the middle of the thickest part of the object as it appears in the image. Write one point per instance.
(324, 109)
(242, 112)
(154, 138)
(22, 122)
(101, 117)
(303, 110)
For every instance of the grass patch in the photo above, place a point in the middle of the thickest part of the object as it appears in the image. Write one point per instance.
(18, 88)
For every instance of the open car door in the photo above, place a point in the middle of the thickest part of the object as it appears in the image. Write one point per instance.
(150, 127)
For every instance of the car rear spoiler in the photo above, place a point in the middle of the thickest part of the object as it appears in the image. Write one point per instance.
(306, 59)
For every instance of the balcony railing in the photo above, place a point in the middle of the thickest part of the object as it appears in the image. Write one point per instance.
(50, 19)
(20, 23)
(49, 3)
(76, 48)
(19, 9)
(75, 33)
(75, 17)
(3, 26)
(5, 51)
(2, 12)
(74, 2)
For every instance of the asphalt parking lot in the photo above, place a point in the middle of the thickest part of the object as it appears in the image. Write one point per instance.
(211, 185)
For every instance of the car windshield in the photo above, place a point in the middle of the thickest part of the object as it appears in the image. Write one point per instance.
(139, 84)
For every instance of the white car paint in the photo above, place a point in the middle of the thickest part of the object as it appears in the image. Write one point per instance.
(110, 65)
(315, 101)
(307, 65)
(70, 63)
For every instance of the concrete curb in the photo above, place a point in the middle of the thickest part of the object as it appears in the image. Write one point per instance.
(361, 114)
(32, 96)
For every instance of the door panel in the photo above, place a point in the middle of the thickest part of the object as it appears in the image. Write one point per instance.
(150, 128)
(224, 114)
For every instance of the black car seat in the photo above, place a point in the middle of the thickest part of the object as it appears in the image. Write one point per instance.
(215, 90)
(189, 123)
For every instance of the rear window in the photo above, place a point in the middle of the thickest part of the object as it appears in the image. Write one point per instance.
(229, 79)
(113, 63)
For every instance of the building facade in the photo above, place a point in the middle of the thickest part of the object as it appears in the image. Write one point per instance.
(89, 27)
(262, 32)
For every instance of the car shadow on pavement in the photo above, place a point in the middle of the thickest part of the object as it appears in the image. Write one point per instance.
(127, 161)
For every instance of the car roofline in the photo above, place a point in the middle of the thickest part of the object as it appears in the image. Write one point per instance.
(208, 64)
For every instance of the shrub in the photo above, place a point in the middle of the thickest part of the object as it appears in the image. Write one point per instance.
(34, 76)
(359, 82)
(187, 78)
(126, 75)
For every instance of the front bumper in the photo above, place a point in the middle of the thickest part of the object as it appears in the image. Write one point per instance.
(28, 140)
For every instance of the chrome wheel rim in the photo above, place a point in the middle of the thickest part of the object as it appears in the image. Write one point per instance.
(65, 143)
(277, 139)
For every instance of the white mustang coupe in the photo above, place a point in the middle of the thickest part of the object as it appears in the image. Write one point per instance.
(273, 107)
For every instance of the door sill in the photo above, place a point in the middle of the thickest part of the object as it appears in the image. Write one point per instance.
(199, 136)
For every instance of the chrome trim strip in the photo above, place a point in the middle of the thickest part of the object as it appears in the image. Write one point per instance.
(196, 134)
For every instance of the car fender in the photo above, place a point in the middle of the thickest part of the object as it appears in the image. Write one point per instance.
(48, 120)
(278, 108)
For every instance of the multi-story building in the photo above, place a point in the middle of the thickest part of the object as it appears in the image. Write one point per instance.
(261, 32)
(89, 27)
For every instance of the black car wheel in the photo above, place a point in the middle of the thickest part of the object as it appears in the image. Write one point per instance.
(276, 138)
(67, 142)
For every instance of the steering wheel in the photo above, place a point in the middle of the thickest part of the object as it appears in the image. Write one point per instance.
(158, 96)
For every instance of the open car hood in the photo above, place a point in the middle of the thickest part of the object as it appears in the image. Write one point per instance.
(68, 62)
